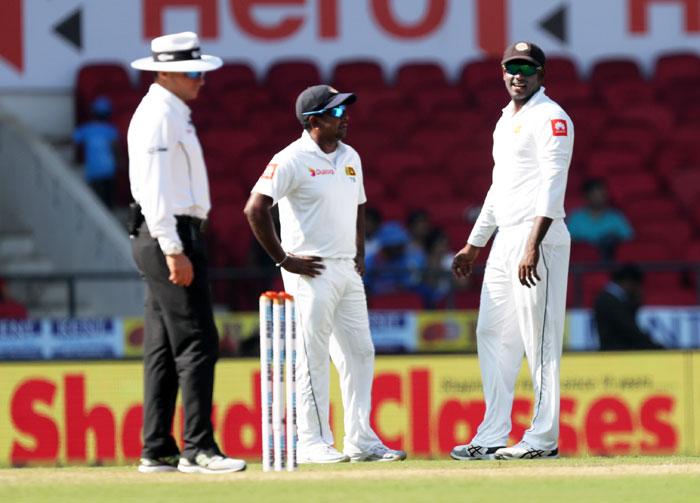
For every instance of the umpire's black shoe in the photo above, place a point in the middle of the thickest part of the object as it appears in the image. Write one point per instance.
(471, 452)
(162, 464)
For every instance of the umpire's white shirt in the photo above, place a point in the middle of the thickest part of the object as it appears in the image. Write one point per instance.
(318, 195)
(531, 150)
(166, 166)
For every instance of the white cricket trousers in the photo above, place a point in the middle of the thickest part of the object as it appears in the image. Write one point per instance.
(516, 320)
(332, 320)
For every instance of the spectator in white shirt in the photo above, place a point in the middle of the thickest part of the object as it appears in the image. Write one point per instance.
(524, 291)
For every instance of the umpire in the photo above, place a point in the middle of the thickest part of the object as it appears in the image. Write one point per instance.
(170, 187)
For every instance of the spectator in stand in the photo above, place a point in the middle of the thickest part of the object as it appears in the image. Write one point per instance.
(373, 220)
(438, 278)
(396, 266)
(98, 138)
(616, 312)
(597, 222)
(9, 307)
(419, 228)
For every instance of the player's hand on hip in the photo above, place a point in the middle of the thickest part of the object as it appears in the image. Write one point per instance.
(464, 259)
(527, 269)
(306, 266)
(180, 267)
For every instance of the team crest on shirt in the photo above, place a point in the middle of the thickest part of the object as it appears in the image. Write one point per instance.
(350, 171)
(559, 127)
(517, 129)
(269, 171)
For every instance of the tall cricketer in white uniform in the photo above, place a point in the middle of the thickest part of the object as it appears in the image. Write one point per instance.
(316, 182)
(523, 298)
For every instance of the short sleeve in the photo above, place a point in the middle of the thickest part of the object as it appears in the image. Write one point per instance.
(278, 179)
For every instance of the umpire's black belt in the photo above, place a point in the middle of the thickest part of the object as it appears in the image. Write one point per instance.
(197, 223)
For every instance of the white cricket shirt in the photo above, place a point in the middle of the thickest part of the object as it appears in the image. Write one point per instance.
(166, 166)
(532, 152)
(318, 195)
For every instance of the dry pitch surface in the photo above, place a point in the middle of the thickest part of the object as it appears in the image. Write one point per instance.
(638, 480)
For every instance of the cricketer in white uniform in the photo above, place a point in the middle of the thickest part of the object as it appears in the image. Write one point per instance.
(523, 296)
(317, 184)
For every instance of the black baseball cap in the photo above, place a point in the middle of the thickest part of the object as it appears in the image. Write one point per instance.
(321, 98)
(526, 51)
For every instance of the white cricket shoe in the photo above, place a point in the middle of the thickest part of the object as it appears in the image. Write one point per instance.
(473, 452)
(523, 450)
(159, 465)
(379, 453)
(204, 463)
(322, 454)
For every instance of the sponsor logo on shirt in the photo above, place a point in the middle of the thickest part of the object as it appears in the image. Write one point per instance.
(350, 171)
(155, 150)
(269, 171)
(559, 127)
(319, 171)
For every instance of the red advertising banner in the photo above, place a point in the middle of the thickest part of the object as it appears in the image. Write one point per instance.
(77, 413)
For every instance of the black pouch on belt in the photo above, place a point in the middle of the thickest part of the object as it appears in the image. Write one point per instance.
(135, 220)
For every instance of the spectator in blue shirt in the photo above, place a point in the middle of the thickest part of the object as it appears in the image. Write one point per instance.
(98, 137)
(597, 222)
(395, 266)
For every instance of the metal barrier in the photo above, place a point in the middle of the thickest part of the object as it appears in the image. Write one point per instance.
(248, 282)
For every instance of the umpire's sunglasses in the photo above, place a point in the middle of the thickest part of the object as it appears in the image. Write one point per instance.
(525, 69)
(336, 112)
(194, 75)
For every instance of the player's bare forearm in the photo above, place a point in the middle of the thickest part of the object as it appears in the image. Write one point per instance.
(257, 211)
(527, 269)
(464, 259)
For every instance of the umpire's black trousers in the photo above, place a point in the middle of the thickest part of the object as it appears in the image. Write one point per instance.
(180, 346)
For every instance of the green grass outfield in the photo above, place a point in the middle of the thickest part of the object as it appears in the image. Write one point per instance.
(621, 479)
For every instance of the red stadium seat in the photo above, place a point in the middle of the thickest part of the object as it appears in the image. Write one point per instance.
(640, 251)
(561, 69)
(286, 79)
(565, 92)
(623, 95)
(670, 297)
(661, 208)
(448, 212)
(229, 77)
(624, 187)
(664, 231)
(608, 71)
(391, 209)
(411, 77)
(672, 67)
(429, 100)
(592, 284)
(228, 143)
(609, 161)
(584, 252)
(629, 136)
(422, 190)
(374, 188)
(686, 187)
(480, 73)
(398, 300)
(394, 165)
(353, 75)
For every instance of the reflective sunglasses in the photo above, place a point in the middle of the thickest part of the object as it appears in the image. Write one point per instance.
(194, 75)
(336, 112)
(525, 69)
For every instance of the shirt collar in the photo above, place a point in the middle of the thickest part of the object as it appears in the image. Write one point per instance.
(309, 145)
(162, 94)
(537, 97)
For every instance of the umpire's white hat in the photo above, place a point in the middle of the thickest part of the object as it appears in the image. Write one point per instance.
(178, 52)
